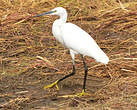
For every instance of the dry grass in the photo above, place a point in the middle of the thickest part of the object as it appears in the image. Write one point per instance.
(27, 47)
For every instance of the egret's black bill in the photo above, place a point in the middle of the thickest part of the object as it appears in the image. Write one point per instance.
(44, 13)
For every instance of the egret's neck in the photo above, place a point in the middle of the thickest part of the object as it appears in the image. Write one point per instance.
(56, 27)
(63, 17)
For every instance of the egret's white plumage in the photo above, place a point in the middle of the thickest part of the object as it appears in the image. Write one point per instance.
(76, 40)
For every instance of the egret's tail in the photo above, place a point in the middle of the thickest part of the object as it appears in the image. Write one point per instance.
(102, 57)
(105, 60)
(99, 56)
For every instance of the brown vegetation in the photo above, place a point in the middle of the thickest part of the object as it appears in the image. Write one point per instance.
(31, 58)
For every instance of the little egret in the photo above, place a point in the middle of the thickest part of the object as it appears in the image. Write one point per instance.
(77, 41)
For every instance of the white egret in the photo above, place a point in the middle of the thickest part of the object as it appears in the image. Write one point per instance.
(76, 40)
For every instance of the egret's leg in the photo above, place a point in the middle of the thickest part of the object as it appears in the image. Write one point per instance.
(85, 78)
(73, 72)
(83, 93)
(73, 62)
(86, 73)
(56, 82)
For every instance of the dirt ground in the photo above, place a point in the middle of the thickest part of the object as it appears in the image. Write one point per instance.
(30, 58)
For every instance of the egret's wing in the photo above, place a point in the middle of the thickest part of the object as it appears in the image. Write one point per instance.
(80, 41)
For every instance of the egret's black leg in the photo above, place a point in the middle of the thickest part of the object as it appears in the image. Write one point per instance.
(73, 62)
(56, 82)
(73, 72)
(85, 78)
(86, 72)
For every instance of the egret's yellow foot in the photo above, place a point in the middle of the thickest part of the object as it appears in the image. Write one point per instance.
(82, 93)
(52, 85)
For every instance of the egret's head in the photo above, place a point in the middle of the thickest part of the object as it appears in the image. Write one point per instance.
(56, 11)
